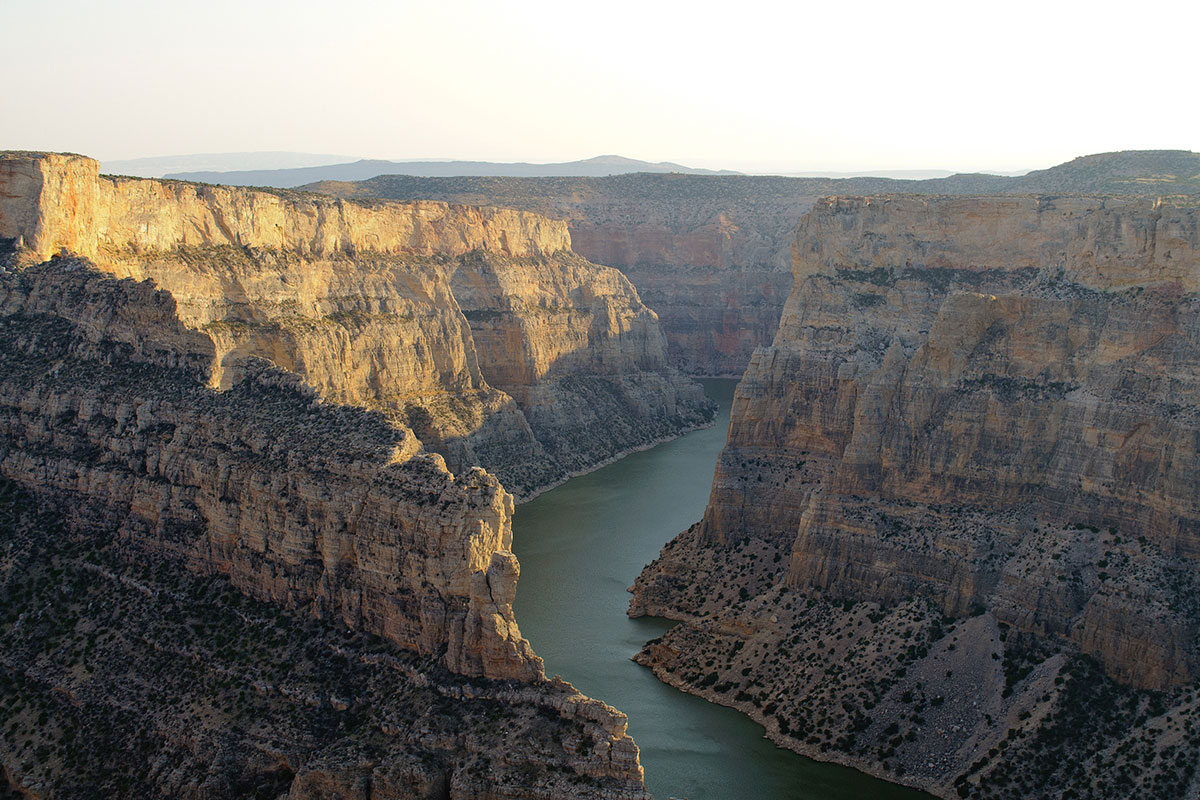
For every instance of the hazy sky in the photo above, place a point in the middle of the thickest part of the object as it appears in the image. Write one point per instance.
(746, 85)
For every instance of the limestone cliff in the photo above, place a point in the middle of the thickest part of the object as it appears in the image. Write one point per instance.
(584, 359)
(128, 667)
(324, 508)
(957, 512)
(711, 254)
(711, 257)
(360, 299)
(58, 201)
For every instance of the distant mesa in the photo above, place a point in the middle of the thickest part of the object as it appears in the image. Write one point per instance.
(158, 166)
(1144, 172)
(369, 168)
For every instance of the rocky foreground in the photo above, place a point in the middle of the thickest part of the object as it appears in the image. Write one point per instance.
(251, 592)
(229, 565)
(953, 536)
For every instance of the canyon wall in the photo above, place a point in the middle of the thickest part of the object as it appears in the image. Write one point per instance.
(710, 256)
(59, 201)
(584, 359)
(958, 502)
(712, 253)
(138, 502)
(326, 508)
(361, 300)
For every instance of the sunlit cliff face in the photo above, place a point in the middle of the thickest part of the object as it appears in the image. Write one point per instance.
(476, 327)
(960, 474)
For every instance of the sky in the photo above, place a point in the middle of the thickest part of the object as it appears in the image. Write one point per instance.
(748, 85)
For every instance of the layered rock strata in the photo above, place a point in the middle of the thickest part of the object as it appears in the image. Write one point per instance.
(325, 508)
(580, 354)
(362, 301)
(957, 511)
(130, 664)
(711, 257)
(56, 202)
(712, 253)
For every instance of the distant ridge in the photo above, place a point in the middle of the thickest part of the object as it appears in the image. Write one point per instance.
(898, 174)
(159, 166)
(1155, 173)
(367, 168)
(1145, 172)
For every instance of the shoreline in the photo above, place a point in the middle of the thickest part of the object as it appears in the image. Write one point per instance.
(615, 457)
(783, 742)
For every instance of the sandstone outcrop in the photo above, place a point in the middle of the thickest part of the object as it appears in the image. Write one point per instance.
(361, 299)
(711, 254)
(580, 354)
(375, 650)
(325, 508)
(958, 503)
(711, 257)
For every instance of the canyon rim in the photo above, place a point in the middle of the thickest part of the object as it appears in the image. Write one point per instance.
(263, 447)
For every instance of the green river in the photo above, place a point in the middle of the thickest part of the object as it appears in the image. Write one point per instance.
(580, 546)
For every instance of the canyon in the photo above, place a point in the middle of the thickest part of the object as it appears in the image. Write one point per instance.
(252, 587)
(263, 449)
(207, 395)
(711, 254)
(951, 539)
(478, 328)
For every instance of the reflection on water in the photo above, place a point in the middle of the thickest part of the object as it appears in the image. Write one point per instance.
(580, 546)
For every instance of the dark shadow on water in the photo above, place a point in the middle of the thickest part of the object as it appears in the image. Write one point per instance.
(580, 546)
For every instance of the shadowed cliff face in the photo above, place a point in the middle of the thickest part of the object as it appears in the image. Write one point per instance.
(362, 301)
(584, 359)
(158, 493)
(715, 268)
(977, 423)
(330, 509)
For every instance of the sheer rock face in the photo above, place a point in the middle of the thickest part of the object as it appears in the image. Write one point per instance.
(361, 300)
(316, 510)
(715, 270)
(375, 330)
(1099, 244)
(711, 257)
(56, 201)
(983, 404)
(300, 504)
(582, 356)
(713, 318)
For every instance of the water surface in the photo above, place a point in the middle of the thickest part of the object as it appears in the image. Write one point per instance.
(580, 546)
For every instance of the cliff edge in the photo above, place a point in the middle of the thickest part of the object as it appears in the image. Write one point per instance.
(251, 592)
(381, 305)
(952, 538)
